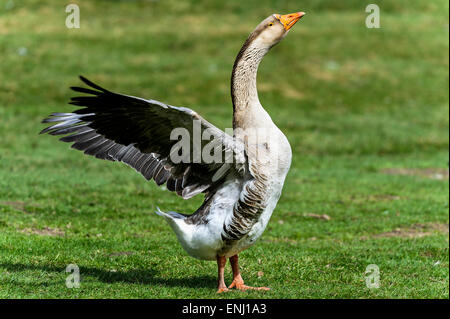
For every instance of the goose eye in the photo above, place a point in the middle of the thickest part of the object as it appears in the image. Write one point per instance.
(270, 24)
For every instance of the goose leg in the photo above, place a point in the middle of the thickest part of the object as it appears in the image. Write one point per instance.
(221, 262)
(238, 282)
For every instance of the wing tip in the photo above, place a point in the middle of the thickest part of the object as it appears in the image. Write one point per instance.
(45, 130)
(92, 84)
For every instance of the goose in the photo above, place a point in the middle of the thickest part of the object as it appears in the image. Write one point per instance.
(241, 184)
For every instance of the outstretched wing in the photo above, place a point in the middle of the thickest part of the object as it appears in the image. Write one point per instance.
(137, 131)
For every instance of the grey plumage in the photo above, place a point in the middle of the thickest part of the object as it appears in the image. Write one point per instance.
(241, 186)
(136, 131)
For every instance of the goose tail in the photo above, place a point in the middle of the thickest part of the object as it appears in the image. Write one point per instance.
(169, 215)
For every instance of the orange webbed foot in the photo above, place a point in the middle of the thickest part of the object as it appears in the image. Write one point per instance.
(239, 285)
(222, 289)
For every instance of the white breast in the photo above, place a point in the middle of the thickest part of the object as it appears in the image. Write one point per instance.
(204, 241)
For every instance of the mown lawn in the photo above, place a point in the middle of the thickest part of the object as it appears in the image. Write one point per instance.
(366, 112)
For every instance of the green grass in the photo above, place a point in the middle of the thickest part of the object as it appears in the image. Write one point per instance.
(354, 102)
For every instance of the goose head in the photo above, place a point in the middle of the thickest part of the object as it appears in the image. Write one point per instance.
(266, 35)
(273, 29)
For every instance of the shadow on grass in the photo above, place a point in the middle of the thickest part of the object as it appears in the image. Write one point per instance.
(138, 276)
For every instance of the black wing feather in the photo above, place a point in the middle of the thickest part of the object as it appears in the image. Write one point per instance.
(135, 131)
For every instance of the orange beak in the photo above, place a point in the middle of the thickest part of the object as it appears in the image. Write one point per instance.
(288, 20)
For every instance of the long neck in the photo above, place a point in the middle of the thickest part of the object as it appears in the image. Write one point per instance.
(243, 81)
